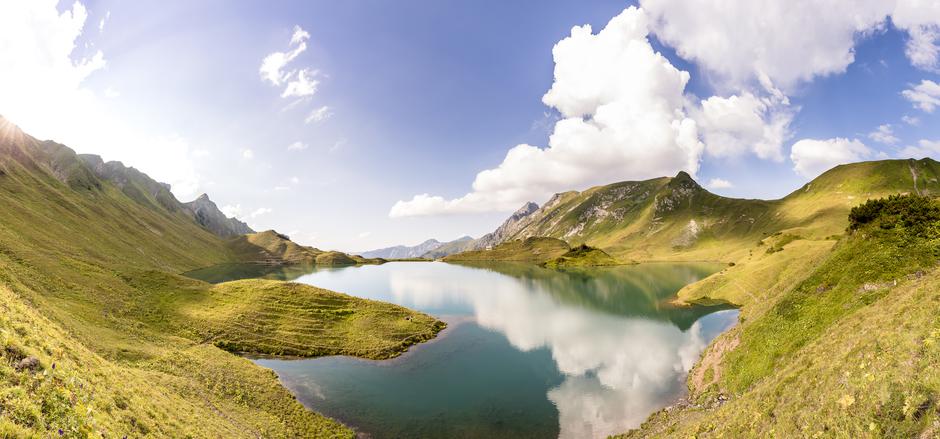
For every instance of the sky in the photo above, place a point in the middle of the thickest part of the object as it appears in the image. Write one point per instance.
(362, 124)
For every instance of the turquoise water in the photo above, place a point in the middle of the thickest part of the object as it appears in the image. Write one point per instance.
(529, 352)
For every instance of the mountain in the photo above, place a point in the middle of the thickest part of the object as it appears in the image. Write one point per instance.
(208, 215)
(510, 228)
(403, 252)
(675, 218)
(146, 191)
(448, 248)
(101, 336)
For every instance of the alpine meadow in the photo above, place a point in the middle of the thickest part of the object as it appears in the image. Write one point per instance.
(470, 219)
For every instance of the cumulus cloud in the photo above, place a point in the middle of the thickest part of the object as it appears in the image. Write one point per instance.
(787, 42)
(232, 211)
(623, 116)
(911, 120)
(719, 183)
(319, 115)
(745, 123)
(248, 154)
(925, 96)
(43, 89)
(884, 134)
(924, 148)
(921, 19)
(260, 211)
(297, 146)
(812, 157)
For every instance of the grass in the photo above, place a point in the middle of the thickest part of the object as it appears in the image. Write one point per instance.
(581, 256)
(127, 347)
(537, 250)
(842, 346)
(277, 318)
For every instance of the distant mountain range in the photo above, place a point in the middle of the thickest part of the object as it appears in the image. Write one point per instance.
(430, 249)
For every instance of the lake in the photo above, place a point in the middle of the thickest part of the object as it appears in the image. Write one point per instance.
(528, 353)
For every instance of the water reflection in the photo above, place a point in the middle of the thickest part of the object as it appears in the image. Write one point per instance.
(601, 347)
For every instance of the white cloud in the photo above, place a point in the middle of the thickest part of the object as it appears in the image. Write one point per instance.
(884, 134)
(319, 115)
(248, 154)
(812, 157)
(911, 120)
(924, 148)
(365, 234)
(273, 66)
(302, 85)
(260, 211)
(921, 19)
(622, 107)
(738, 124)
(232, 211)
(111, 93)
(925, 96)
(297, 146)
(719, 183)
(786, 42)
(103, 21)
(339, 144)
(294, 180)
(42, 84)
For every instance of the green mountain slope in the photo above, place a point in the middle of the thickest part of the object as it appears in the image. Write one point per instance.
(675, 218)
(846, 344)
(100, 336)
(532, 249)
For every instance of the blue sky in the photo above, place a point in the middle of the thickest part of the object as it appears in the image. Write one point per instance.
(419, 97)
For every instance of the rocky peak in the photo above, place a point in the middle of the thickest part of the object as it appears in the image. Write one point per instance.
(516, 222)
(207, 214)
(681, 190)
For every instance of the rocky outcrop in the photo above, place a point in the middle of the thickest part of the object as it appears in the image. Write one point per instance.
(207, 214)
(135, 184)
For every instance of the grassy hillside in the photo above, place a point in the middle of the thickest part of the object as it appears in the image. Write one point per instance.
(272, 248)
(533, 249)
(582, 256)
(676, 219)
(834, 341)
(100, 336)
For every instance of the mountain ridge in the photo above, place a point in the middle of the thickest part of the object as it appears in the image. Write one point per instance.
(403, 251)
(677, 219)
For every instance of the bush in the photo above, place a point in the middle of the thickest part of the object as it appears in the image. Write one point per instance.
(915, 213)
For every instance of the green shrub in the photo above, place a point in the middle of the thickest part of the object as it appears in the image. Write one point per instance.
(916, 214)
